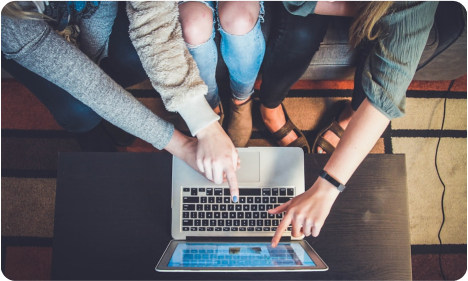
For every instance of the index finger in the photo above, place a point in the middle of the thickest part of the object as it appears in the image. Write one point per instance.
(281, 228)
(233, 185)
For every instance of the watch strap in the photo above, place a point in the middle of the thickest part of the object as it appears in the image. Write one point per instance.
(324, 175)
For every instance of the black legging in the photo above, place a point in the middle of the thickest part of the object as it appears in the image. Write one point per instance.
(293, 42)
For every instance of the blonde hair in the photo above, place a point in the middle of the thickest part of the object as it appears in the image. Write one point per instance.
(14, 10)
(367, 16)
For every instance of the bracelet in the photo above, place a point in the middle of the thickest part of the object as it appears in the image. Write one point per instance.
(324, 175)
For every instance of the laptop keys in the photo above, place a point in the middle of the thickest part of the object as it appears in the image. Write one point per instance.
(250, 214)
(188, 207)
(187, 222)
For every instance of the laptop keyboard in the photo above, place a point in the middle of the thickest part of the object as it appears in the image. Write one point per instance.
(211, 209)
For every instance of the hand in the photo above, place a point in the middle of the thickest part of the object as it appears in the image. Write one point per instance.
(217, 157)
(184, 148)
(306, 212)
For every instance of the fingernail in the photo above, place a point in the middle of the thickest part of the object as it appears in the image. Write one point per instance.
(234, 199)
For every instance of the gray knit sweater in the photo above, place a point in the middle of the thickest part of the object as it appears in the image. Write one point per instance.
(156, 34)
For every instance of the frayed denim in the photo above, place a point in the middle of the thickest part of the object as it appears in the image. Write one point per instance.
(243, 55)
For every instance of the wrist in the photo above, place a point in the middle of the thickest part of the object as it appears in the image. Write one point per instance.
(209, 130)
(325, 186)
(326, 176)
(177, 144)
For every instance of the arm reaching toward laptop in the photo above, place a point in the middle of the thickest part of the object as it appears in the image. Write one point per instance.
(32, 42)
(386, 71)
(307, 212)
(156, 33)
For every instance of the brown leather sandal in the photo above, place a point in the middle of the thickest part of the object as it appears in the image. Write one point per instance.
(332, 125)
(301, 140)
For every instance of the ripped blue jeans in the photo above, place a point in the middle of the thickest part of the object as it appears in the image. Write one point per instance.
(243, 55)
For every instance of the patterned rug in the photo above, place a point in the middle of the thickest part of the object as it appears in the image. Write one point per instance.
(31, 140)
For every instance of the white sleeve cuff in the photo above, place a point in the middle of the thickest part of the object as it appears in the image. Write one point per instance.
(197, 114)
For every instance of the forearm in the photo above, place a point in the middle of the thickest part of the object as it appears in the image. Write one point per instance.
(156, 33)
(336, 8)
(51, 57)
(360, 136)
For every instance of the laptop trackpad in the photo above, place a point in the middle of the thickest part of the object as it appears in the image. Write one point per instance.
(250, 167)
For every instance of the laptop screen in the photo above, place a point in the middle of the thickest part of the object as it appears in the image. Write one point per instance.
(227, 255)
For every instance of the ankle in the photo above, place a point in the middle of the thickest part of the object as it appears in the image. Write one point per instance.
(346, 116)
(240, 102)
(270, 115)
(217, 110)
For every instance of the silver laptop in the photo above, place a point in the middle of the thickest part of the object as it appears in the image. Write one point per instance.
(211, 233)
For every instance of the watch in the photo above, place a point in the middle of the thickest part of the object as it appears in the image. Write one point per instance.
(324, 175)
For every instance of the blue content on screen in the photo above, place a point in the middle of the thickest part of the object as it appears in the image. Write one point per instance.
(239, 255)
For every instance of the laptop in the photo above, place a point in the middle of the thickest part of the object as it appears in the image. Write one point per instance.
(211, 233)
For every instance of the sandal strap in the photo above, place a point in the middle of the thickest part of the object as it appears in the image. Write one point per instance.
(300, 142)
(325, 145)
(336, 129)
(283, 131)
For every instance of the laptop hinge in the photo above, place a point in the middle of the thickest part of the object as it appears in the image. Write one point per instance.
(233, 239)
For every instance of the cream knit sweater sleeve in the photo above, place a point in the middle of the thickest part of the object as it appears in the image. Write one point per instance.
(156, 33)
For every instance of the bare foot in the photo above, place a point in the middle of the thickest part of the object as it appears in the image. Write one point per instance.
(343, 120)
(274, 119)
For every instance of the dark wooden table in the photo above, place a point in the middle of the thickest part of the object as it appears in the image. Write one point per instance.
(113, 215)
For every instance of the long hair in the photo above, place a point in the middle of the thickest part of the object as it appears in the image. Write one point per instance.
(14, 10)
(364, 24)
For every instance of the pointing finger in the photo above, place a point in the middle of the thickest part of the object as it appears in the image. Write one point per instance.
(279, 231)
(233, 185)
(280, 208)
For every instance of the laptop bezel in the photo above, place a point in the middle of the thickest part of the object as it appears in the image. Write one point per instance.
(167, 255)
